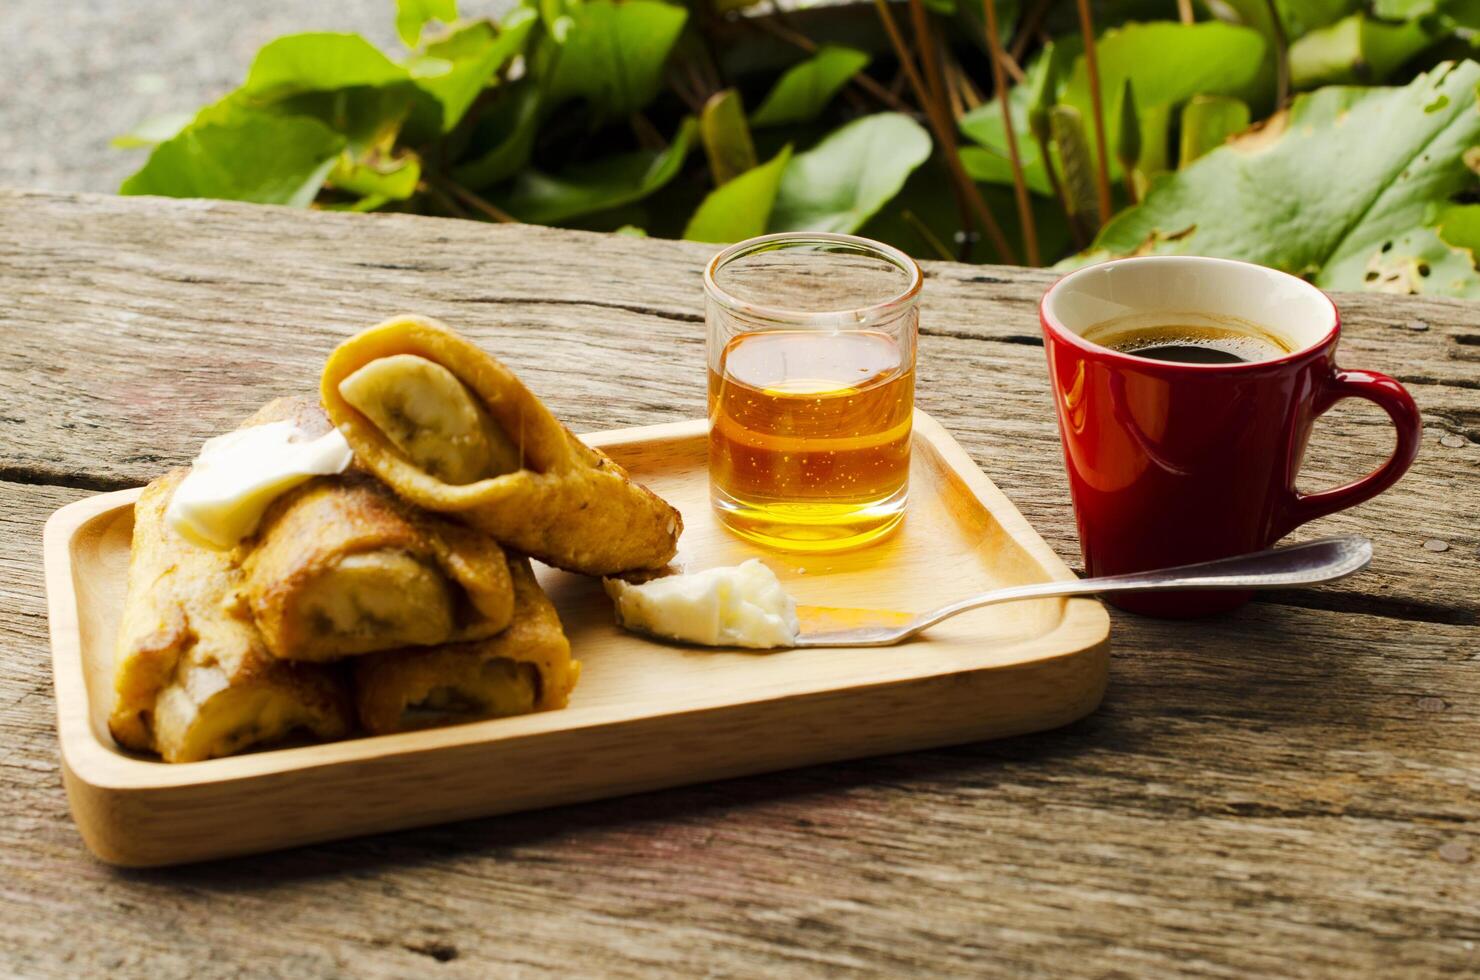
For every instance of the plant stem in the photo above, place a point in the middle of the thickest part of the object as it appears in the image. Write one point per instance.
(927, 102)
(906, 63)
(1130, 186)
(1019, 179)
(953, 89)
(476, 202)
(945, 134)
(679, 85)
(968, 90)
(447, 203)
(1091, 64)
(1013, 68)
(1027, 28)
(929, 63)
(1281, 57)
(647, 135)
(696, 79)
(925, 233)
(1184, 11)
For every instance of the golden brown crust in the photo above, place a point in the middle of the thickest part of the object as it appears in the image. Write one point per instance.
(295, 565)
(303, 541)
(193, 678)
(388, 685)
(570, 506)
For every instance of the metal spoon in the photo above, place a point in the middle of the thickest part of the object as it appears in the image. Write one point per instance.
(1310, 563)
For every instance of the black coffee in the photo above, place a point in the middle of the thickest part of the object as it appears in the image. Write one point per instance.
(1189, 343)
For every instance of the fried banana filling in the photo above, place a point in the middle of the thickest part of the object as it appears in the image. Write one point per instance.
(496, 689)
(230, 721)
(431, 417)
(376, 601)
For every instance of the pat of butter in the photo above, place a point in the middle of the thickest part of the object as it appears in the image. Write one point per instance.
(236, 476)
(737, 606)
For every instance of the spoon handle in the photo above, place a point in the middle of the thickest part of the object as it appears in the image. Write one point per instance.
(1309, 563)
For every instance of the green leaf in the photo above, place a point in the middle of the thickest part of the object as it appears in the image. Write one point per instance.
(1405, 9)
(1156, 128)
(318, 63)
(247, 156)
(154, 130)
(341, 80)
(1128, 143)
(726, 137)
(412, 16)
(841, 182)
(387, 179)
(1459, 226)
(614, 54)
(1167, 62)
(1207, 123)
(1299, 17)
(541, 198)
(555, 15)
(631, 231)
(1355, 49)
(1464, 14)
(742, 208)
(804, 90)
(471, 57)
(1325, 191)
(516, 120)
(367, 116)
(988, 166)
(1420, 261)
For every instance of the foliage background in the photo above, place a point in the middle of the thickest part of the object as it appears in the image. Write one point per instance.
(716, 122)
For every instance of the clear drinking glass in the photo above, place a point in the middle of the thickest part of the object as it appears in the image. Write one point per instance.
(811, 344)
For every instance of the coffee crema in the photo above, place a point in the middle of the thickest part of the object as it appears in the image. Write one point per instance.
(1187, 343)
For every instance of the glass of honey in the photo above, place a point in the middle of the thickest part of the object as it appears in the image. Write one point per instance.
(811, 347)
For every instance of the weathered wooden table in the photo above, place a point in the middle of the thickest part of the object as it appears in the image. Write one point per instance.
(1291, 789)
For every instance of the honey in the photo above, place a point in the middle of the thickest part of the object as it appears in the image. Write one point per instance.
(809, 436)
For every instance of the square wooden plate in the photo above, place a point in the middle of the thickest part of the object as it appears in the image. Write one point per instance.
(645, 715)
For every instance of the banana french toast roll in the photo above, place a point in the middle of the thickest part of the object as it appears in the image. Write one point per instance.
(451, 429)
(193, 677)
(525, 668)
(340, 566)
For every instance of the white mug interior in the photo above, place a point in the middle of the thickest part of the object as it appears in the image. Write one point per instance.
(1183, 289)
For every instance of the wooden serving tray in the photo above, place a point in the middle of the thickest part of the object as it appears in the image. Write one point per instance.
(645, 715)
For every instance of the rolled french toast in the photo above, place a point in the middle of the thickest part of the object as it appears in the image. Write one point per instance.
(340, 566)
(451, 429)
(525, 668)
(193, 677)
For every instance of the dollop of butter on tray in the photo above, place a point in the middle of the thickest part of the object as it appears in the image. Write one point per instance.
(734, 606)
(237, 475)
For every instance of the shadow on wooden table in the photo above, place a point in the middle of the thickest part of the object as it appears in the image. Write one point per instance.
(1194, 698)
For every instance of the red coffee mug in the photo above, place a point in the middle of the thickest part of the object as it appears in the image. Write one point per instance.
(1171, 463)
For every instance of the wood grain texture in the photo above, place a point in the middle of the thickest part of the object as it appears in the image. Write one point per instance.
(198, 312)
(1287, 790)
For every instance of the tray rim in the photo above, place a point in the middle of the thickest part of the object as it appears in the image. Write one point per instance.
(102, 767)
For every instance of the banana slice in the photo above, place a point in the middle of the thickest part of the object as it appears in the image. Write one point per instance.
(431, 416)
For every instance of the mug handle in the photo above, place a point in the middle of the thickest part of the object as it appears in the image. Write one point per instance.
(1394, 399)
